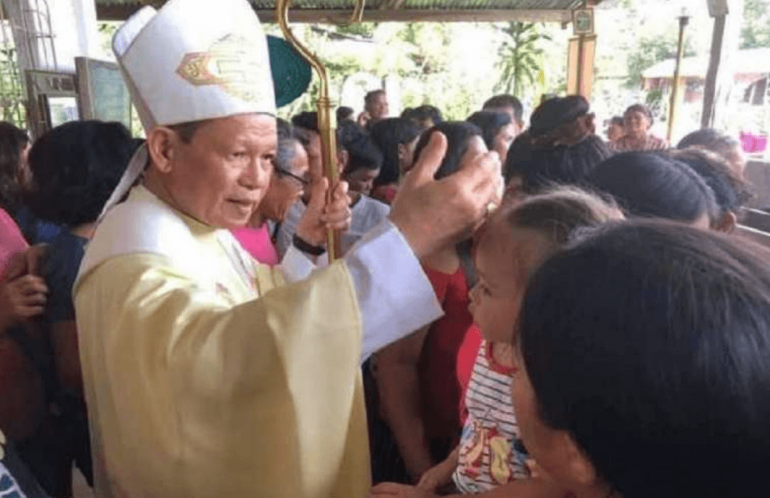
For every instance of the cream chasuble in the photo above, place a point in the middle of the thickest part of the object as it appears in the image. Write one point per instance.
(197, 389)
(207, 376)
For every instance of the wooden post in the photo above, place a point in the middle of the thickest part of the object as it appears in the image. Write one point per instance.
(674, 107)
(581, 52)
(709, 92)
(581, 62)
(728, 15)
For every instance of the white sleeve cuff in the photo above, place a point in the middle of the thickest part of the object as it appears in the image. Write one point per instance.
(297, 266)
(394, 295)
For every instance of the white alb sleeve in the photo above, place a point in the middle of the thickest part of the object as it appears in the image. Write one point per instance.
(395, 297)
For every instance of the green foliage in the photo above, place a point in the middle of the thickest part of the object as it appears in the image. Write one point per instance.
(426, 45)
(107, 31)
(418, 54)
(364, 29)
(756, 24)
(11, 92)
(656, 102)
(521, 57)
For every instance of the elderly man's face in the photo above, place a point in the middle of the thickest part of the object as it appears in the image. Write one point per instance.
(220, 177)
(378, 109)
(286, 187)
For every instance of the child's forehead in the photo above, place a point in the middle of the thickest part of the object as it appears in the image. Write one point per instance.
(511, 248)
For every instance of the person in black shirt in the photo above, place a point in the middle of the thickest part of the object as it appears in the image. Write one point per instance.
(74, 168)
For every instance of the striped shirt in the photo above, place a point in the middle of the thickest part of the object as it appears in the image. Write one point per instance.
(489, 453)
(651, 142)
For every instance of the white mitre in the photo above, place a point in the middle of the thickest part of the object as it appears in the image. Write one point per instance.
(193, 60)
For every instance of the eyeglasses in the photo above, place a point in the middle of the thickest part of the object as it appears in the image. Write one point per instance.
(304, 182)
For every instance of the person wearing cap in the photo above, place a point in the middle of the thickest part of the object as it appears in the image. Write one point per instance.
(207, 375)
(560, 147)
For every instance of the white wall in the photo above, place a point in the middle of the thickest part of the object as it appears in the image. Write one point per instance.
(73, 31)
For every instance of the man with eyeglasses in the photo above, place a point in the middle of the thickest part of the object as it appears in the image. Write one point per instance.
(305, 130)
(290, 177)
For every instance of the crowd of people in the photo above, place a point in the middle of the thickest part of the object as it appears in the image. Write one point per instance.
(592, 327)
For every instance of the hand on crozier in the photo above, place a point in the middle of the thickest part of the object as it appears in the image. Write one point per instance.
(325, 212)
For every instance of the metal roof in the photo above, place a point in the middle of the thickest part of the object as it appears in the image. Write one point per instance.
(337, 11)
(754, 61)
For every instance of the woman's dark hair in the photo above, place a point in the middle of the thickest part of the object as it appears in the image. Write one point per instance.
(458, 135)
(306, 120)
(540, 167)
(305, 124)
(344, 113)
(642, 109)
(426, 112)
(503, 101)
(711, 139)
(617, 120)
(75, 167)
(387, 135)
(560, 146)
(12, 143)
(362, 153)
(649, 343)
(731, 192)
(647, 184)
(560, 212)
(490, 122)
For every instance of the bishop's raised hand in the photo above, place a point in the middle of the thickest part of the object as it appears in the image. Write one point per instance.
(433, 213)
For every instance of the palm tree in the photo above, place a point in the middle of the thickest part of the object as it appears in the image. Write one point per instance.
(521, 58)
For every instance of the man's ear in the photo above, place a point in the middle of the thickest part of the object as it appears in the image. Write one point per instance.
(162, 144)
(727, 223)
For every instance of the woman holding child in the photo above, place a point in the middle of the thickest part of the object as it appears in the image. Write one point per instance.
(490, 460)
(643, 359)
(419, 389)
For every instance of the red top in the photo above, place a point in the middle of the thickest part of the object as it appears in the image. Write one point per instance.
(11, 239)
(440, 387)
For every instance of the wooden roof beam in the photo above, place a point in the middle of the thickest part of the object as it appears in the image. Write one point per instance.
(122, 12)
(425, 15)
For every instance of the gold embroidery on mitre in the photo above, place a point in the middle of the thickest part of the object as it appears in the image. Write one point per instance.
(232, 63)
